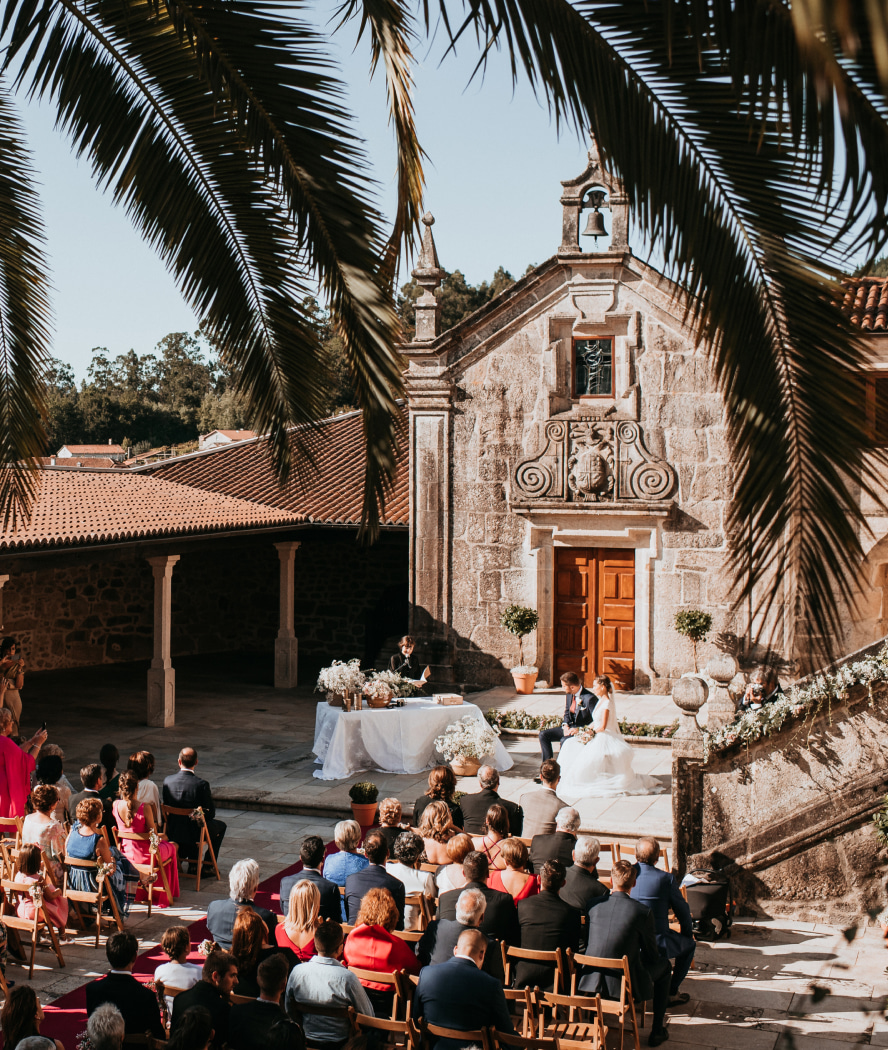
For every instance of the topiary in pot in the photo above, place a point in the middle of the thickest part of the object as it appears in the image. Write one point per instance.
(693, 624)
(520, 621)
(363, 797)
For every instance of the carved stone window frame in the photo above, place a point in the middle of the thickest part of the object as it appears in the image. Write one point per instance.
(623, 331)
(586, 398)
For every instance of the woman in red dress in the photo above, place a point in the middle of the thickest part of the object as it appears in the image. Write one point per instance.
(131, 815)
(514, 878)
(371, 945)
(298, 929)
(16, 766)
(497, 822)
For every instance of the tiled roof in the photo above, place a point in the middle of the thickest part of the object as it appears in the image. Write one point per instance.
(331, 493)
(73, 462)
(234, 435)
(95, 450)
(82, 507)
(866, 302)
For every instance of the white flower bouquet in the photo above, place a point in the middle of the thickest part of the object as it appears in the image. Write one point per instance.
(396, 683)
(378, 689)
(467, 738)
(340, 678)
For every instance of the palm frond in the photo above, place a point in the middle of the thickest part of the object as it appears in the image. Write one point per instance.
(24, 322)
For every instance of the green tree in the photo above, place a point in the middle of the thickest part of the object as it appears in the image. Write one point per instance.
(879, 268)
(458, 298)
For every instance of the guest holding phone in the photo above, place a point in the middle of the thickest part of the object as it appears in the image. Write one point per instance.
(12, 677)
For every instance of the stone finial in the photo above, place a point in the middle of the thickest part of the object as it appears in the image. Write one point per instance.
(688, 695)
(575, 198)
(428, 274)
(722, 708)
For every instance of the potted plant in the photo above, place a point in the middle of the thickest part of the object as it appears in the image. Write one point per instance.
(363, 797)
(381, 683)
(520, 621)
(340, 678)
(693, 624)
(464, 744)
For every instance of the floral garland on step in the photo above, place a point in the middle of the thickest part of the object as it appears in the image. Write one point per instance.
(805, 702)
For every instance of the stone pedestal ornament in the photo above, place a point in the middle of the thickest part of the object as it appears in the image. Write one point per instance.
(722, 708)
(286, 646)
(689, 695)
(161, 676)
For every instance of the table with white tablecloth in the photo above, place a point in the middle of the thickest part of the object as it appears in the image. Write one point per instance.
(390, 739)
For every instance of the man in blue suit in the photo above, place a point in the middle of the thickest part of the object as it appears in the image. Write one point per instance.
(312, 857)
(456, 994)
(659, 891)
(374, 876)
(579, 703)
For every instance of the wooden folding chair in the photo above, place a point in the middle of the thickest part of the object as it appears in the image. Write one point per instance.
(501, 1040)
(12, 893)
(203, 842)
(97, 898)
(622, 1009)
(411, 936)
(11, 831)
(574, 1032)
(524, 996)
(315, 1010)
(429, 867)
(235, 999)
(555, 958)
(389, 1030)
(420, 901)
(476, 1037)
(390, 979)
(155, 868)
(164, 992)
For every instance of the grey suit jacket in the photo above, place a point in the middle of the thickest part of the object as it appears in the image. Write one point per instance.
(621, 926)
(540, 808)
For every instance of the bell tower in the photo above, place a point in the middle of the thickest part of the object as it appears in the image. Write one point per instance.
(595, 191)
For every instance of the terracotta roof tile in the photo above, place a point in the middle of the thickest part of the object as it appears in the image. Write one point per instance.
(73, 462)
(78, 507)
(234, 435)
(866, 302)
(332, 492)
(95, 450)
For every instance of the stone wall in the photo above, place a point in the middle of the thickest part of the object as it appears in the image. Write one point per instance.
(791, 816)
(95, 609)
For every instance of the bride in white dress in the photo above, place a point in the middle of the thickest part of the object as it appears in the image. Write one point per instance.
(602, 767)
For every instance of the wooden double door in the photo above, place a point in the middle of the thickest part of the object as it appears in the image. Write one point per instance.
(595, 613)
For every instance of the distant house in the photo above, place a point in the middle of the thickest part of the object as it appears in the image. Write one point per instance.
(224, 437)
(117, 453)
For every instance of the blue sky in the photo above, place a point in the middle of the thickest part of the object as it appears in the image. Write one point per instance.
(493, 185)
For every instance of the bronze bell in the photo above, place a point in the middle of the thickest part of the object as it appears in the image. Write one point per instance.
(595, 226)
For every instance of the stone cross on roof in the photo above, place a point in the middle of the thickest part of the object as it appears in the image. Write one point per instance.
(428, 274)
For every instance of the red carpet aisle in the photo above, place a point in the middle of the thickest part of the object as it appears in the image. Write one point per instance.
(66, 1017)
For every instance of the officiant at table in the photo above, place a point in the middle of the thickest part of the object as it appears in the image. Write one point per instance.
(405, 662)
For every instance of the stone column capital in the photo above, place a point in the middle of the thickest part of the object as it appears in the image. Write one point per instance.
(163, 564)
(287, 548)
(3, 579)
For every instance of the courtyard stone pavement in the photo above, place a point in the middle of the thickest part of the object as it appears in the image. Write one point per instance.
(776, 984)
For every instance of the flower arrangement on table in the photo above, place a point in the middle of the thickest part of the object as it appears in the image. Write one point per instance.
(341, 678)
(467, 738)
(396, 684)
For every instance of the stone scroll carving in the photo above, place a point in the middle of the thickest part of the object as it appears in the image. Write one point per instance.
(590, 461)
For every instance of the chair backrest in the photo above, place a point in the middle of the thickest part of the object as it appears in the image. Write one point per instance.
(554, 958)
(380, 1024)
(420, 901)
(375, 975)
(408, 935)
(597, 962)
(523, 1042)
(429, 867)
(242, 998)
(478, 1035)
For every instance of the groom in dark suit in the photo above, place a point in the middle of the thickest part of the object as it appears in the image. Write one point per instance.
(579, 702)
(186, 790)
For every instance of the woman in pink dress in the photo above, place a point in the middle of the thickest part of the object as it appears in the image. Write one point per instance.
(131, 815)
(16, 766)
(54, 903)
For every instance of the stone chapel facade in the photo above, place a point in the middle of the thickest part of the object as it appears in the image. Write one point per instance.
(568, 452)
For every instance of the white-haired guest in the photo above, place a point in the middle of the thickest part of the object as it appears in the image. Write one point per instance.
(243, 881)
(560, 844)
(106, 1028)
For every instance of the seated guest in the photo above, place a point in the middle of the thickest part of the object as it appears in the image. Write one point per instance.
(560, 844)
(581, 889)
(497, 824)
(93, 781)
(137, 1004)
(659, 891)
(312, 856)
(297, 931)
(109, 756)
(43, 829)
(106, 1029)
(324, 981)
(285, 1035)
(407, 851)
(500, 917)
(16, 766)
(194, 1031)
(338, 866)
(186, 790)
(131, 815)
(371, 877)
(178, 972)
(451, 876)
(438, 941)
(142, 764)
(542, 805)
(49, 771)
(475, 807)
(249, 1023)
(390, 821)
(621, 926)
(546, 923)
(514, 878)
(31, 873)
(85, 842)
(243, 881)
(213, 993)
(22, 1016)
(371, 945)
(436, 829)
(442, 787)
(456, 995)
(249, 946)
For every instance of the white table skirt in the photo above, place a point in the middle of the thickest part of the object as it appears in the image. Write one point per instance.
(389, 740)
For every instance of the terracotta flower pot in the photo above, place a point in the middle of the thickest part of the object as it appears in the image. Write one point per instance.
(465, 765)
(364, 813)
(524, 683)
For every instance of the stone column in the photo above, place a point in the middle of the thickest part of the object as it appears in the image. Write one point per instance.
(161, 676)
(722, 709)
(689, 695)
(286, 647)
(3, 580)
